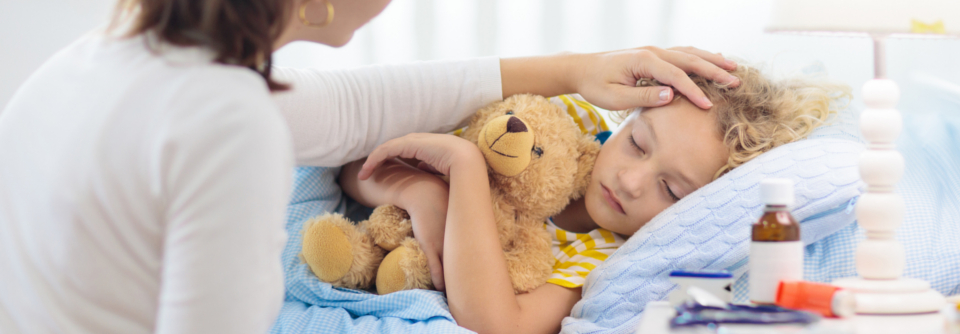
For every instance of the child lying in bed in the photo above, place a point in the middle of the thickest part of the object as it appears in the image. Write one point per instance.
(655, 157)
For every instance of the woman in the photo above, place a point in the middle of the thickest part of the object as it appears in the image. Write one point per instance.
(145, 169)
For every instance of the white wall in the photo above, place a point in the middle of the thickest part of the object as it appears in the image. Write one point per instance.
(736, 27)
(33, 30)
(409, 30)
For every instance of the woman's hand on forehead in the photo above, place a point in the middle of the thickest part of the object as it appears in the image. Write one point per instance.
(610, 81)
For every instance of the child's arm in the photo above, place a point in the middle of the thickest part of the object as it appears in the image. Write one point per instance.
(542, 309)
(423, 195)
(479, 291)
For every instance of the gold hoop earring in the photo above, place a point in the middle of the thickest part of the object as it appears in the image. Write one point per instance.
(306, 22)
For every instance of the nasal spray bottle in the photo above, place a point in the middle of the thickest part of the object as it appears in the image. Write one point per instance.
(776, 252)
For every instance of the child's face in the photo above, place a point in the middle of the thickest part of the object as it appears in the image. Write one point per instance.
(674, 148)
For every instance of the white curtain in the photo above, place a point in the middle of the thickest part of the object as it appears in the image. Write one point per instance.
(411, 30)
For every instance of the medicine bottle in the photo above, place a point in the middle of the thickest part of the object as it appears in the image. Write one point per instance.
(776, 252)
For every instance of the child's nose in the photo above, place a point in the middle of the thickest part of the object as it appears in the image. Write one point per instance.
(633, 181)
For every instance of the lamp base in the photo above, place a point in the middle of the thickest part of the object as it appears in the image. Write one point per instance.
(895, 296)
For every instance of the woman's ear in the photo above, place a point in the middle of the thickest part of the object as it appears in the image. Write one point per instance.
(589, 148)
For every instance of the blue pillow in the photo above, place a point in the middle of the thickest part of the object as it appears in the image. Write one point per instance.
(710, 228)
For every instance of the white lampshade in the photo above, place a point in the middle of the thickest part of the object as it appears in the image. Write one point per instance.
(932, 17)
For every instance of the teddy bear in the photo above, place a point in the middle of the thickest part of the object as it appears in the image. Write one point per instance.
(538, 160)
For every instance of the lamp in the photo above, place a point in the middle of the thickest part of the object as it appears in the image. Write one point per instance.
(880, 288)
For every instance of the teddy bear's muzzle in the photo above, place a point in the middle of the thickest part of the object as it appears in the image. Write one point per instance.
(506, 142)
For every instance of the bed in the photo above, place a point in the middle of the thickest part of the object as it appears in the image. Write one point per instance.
(708, 229)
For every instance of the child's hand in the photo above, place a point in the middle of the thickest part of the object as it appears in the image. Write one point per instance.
(442, 153)
(426, 203)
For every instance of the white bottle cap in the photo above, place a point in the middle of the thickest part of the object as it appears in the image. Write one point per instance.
(776, 192)
(843, 304)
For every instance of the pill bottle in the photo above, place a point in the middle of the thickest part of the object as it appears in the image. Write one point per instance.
(776, 252)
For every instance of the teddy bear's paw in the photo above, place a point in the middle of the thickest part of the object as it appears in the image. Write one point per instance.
(339, 253)
(389, 226)
(404, 268)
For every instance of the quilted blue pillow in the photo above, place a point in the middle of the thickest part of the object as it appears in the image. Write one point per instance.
(710, 228)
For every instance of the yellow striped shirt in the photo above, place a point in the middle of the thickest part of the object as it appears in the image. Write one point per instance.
(582, 112)
(576, 254)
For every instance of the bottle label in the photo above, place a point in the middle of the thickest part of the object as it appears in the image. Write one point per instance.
(770, 263)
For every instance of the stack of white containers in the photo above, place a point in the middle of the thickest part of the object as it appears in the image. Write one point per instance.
(880, 289)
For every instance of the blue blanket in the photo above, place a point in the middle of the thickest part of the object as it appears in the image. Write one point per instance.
(312, 306)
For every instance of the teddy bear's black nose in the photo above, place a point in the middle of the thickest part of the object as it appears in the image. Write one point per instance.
(515, 125)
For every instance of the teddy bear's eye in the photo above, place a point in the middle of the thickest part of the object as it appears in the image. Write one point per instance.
(509, 112)
(538, 151)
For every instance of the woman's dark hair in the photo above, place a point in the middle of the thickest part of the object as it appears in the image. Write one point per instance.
(240, 32)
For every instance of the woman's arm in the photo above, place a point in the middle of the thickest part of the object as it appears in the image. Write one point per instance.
(340, 116)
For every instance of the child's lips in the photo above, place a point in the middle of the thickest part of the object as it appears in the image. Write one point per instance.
(611, 200)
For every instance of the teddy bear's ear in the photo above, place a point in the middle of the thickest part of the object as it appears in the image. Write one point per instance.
(589, 147)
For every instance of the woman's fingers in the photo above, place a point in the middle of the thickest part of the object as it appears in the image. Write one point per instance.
(691, 62)
(672, 75)
(608, 79)
(715, 58)
(643, 96)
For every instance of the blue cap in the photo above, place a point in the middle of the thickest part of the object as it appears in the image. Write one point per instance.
(701, 273)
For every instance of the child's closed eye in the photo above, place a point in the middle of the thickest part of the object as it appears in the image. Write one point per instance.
(670, 192)
(637, 146)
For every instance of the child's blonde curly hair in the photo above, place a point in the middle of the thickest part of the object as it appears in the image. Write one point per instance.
(761, 114)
